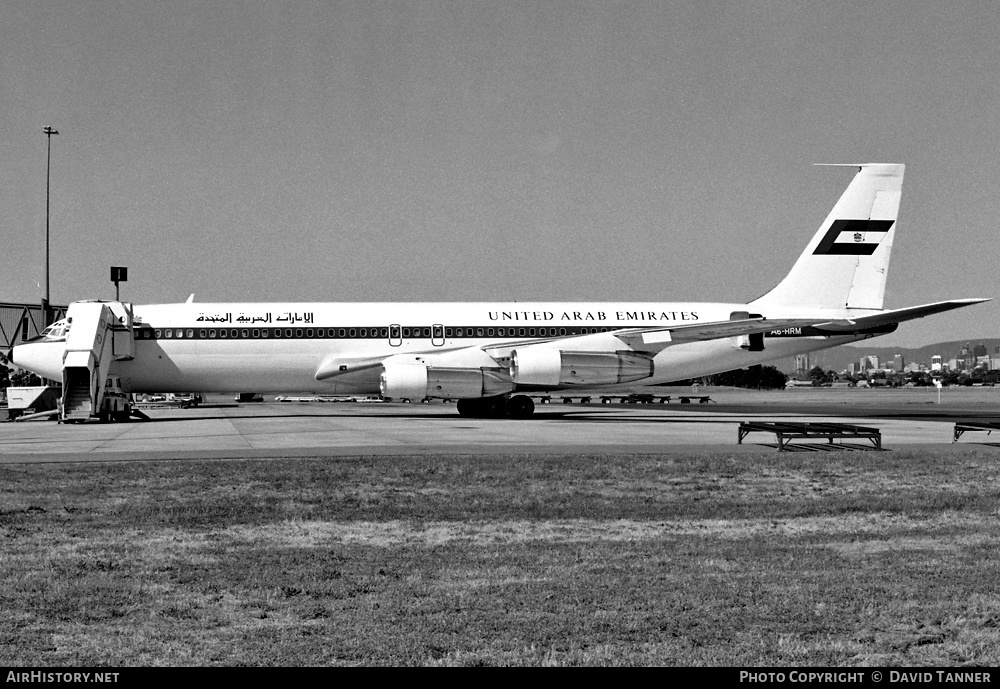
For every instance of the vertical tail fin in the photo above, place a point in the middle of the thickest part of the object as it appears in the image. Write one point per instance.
(846, 263)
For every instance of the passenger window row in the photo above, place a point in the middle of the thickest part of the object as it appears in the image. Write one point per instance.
(354, 333)
(258, 333)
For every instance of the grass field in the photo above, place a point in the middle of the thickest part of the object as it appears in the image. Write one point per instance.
(836, 558)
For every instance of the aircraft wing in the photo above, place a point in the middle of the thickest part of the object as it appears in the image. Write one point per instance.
(462, 355)
(894, 316)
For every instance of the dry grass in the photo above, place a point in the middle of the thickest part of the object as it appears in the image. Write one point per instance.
(714, 559)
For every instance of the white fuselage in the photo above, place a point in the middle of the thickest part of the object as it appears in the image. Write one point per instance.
(279, 347)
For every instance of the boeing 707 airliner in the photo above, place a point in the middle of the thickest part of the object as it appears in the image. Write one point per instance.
(487, 355)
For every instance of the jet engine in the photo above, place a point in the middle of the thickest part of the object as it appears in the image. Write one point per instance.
(547, 366)
(415, 381)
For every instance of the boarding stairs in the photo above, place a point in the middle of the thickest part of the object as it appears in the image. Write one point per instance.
(100, 334)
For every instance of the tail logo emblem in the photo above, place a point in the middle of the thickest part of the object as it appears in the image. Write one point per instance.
(853, 237)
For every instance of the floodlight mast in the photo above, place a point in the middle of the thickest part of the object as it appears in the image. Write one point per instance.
(49, 131)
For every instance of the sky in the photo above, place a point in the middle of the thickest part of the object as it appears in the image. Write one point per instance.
(477, 151)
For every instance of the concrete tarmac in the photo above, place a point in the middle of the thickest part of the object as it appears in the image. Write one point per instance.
(295, 429)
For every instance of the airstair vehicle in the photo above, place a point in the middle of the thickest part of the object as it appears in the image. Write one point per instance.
(99, 334)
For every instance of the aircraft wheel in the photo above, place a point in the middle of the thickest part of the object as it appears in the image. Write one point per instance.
(520, 407)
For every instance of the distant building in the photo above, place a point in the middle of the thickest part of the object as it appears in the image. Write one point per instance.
(966, 359)
(936, 362)
(897, 363)
(802, 363)
(873, 362)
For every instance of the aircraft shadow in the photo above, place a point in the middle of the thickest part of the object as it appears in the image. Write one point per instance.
(546, 415)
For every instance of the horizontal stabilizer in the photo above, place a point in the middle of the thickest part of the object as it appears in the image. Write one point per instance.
(895, 316)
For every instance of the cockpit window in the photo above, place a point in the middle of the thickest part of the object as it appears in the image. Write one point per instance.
(56, 332)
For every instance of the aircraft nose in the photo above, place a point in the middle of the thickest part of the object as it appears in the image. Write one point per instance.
(41, 358)
(16, 355)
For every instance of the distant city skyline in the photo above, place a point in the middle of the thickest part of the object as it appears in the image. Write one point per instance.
(455, 151)
(984, 351)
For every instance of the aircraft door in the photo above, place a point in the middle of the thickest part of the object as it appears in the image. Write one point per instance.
(437, 335)
(395, 335)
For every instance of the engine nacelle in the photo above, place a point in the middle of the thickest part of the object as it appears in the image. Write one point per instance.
(546, 366)
(415, 381)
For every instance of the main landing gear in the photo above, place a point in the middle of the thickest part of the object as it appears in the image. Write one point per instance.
(515, 407)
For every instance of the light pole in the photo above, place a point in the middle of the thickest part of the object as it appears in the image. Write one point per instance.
(49, 131)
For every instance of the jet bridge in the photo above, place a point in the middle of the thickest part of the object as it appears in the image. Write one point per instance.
(100, 333)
